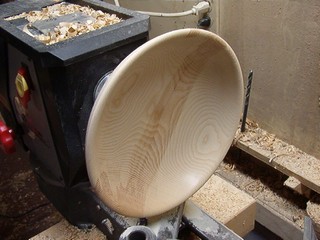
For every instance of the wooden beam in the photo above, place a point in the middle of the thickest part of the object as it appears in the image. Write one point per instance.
(298, 187)
(276, 213)
(305, 168)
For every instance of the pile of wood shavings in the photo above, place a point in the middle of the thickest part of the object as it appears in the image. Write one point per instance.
(280, 154)
(257, 136)
(66, 30)
(313, 210)
(63, 230)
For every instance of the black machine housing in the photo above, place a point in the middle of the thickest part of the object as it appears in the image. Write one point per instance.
(62, 78)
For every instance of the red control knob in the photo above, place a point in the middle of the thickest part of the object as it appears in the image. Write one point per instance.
(6, 138)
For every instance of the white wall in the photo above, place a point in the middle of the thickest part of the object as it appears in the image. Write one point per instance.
(280, 41)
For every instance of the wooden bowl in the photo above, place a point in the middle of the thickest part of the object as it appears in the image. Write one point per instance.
(163, 122)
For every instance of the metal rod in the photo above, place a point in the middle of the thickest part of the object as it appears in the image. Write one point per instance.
(246, 102)
(309, 233)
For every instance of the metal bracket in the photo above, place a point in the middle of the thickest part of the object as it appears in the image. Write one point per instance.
(204, 226)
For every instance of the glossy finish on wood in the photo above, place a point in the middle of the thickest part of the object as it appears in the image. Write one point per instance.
(164, 122)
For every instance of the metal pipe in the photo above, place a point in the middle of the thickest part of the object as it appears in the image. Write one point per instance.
(200, 8)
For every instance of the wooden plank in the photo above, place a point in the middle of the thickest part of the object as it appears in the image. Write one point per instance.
(297, 186)
(305, 168)
(281, 226)
(227, 204)
(273, 210)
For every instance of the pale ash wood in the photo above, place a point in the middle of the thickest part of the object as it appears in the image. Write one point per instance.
(227, 204)
(164, 122)
(306, 169)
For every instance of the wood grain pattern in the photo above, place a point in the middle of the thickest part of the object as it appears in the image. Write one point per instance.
(164, 122)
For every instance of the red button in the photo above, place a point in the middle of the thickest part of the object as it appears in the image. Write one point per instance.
(6, 138)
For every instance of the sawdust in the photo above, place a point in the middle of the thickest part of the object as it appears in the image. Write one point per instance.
(313, 210)
(257, 136)
(221, 200)
(281, 154)
(264, 184)
(65, 231)
(65, 30)
(20, 179)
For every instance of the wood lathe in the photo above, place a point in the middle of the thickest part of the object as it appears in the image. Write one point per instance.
(121, 130)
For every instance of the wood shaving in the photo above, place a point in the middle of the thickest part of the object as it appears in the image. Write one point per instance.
(222, 200)
(257, 136)
(266, 186)
(287, 158)
(64, 230)
(66, 30)
(313, 210)
(278, 155)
